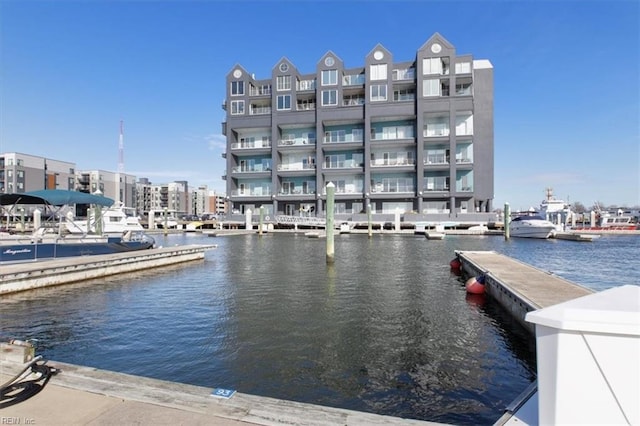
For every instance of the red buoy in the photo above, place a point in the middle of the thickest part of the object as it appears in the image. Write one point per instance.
(455, 263)
(475, 285)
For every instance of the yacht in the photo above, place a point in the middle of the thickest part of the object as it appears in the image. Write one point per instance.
(116, 220)
(531, 227)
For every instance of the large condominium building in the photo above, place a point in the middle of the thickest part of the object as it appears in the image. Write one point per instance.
(414, 136)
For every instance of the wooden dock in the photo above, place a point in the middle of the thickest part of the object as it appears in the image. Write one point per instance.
(517, 286)
(44, 273)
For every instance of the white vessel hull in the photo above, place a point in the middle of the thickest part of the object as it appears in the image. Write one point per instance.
(531, 227)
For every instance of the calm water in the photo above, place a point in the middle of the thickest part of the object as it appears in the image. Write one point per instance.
(387, 329)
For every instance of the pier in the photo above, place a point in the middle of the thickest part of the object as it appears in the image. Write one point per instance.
(30, 275)
(517, 286)
(84, 395)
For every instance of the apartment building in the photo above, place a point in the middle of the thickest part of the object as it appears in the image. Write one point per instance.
(23, 173)
(173, 197)
(120, 187)
(413, 136)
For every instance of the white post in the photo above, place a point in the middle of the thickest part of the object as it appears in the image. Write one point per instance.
(151, 219)
(397, 220)
(248, 223)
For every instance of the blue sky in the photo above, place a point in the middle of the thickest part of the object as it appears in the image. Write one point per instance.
(566, 76)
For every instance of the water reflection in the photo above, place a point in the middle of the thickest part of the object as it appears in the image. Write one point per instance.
(387, 328)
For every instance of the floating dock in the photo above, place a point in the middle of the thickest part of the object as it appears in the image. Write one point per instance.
(517, 286)
(44, 273)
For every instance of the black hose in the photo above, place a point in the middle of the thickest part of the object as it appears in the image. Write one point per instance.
(20, 389)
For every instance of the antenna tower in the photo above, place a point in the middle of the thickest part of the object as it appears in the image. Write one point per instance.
(121, 149)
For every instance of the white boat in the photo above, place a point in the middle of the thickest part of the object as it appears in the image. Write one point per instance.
(116, 220)
(555, 210)
(531, 227)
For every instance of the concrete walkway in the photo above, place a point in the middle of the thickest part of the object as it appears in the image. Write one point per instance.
(87, 396)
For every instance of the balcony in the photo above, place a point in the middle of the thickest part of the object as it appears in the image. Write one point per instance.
(296, 141)
(404, 74)
(296, 192)
(353, 80)
(258, 168)
(259, 110)
(343, 138)
(251, 144)
(256, 192)
(305, 106)
(436, 132)
(392, 162)
(345, 164)
(295, 167)
(305, 85)
(260, 90)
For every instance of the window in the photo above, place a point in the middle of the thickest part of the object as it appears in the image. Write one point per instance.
(431, 88)
(284, 102)
(237, 88)
(463, 68)
(379, 92)
(431, 66)
(329, 77)
(378, 72)
(283, 83)
(329, 97)
(237, 107)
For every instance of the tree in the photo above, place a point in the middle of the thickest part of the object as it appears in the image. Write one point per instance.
(578, 207)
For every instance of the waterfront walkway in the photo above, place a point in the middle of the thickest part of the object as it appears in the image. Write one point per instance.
(87, 396)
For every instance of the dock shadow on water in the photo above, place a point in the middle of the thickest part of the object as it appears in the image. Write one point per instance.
(386, 329)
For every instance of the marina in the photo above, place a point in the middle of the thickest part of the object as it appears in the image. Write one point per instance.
(410, 256)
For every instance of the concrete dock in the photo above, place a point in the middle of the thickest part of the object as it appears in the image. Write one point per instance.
(88, 396)
(517, 286)
(44, 273)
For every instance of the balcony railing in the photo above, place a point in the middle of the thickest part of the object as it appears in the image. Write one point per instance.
(435, 159)
(353, 101)
(260, 91)
(343, 138)
(251, 145)
(295, 167)
(307, 85)
(306, 106)
(297, 191)
(258, 192)
(353, 80)
(381, 162)
(393, 190)
(258, 168)
(404, 74)
(435, 133)
(296, 141)
(259, 110)
(346, 164)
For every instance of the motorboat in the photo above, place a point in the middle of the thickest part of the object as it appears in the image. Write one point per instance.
(531, 226)
(116, 220)
(53, 240)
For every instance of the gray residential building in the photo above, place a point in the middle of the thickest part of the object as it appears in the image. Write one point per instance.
(409, 137)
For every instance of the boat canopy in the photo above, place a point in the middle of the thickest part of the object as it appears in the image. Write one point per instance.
(54, 197)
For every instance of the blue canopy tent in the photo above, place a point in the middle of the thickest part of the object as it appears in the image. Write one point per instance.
(55, 197)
